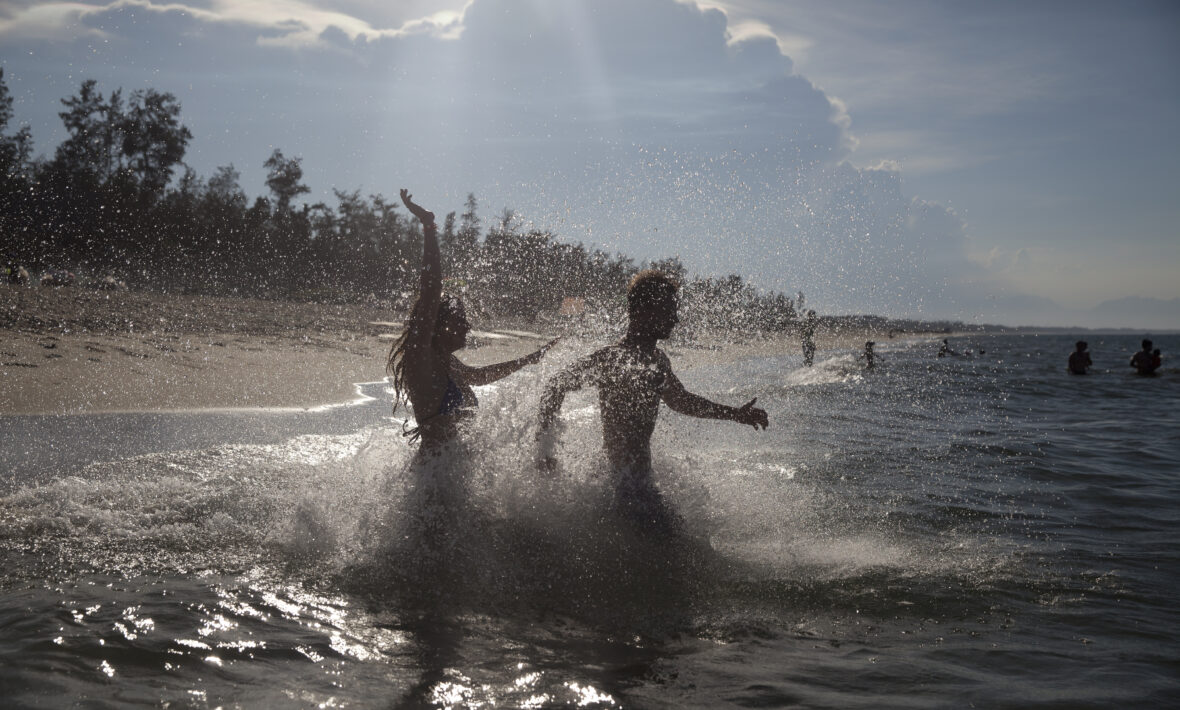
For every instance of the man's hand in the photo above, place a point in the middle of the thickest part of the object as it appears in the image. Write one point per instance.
(425, 216)
(547, 465)
(547, 449)
(749, 414)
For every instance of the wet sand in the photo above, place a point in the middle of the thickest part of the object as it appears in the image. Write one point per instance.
(65, 350)
(72, 350)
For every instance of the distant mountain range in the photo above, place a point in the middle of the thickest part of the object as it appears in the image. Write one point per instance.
(1147, 310)
(1134, 313)
(1011, 308)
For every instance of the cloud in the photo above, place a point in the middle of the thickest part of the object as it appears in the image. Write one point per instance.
(54, 20)
(917, 152)
(280, 23)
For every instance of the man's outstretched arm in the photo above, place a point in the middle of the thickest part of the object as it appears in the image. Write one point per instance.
(681, 400)
(568, 380)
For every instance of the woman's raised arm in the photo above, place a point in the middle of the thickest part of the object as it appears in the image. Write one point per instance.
(422, 320)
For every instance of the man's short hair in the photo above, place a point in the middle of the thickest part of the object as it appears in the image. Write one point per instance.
(648, 287)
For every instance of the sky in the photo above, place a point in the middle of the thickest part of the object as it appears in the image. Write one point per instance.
(1000, 162)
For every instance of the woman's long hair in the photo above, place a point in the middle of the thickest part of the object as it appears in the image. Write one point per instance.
(395, 362)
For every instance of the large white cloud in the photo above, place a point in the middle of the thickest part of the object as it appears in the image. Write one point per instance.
(649, 127)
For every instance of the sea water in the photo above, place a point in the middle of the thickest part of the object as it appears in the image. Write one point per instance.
(982, 530)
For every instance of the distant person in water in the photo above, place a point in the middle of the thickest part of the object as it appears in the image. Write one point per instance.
(632, 378)
(1156, 359)
(1079, 359)
(945, 349)
(869, 356)
(422, 360)
(1144, 362)
(809, 325)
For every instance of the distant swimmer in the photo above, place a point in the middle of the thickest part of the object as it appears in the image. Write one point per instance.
(946, 349)
(869, 356)
(632, 378)
(808, 333)
(1145, 362)
(422, 360)
(1079, 359)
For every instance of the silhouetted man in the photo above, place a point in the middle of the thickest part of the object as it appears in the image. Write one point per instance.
(1143, 361)
(632, 378)
(1079, 359)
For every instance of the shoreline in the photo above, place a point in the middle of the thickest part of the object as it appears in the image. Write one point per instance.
(357, 400)
(263, 375)
(75, 351)
(63, 374)
(67, 373)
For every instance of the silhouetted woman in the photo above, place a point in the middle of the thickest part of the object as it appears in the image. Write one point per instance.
(422, 360)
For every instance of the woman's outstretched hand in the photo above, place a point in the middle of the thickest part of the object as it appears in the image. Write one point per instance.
(536, 356)
(749, 414)
(425, 216)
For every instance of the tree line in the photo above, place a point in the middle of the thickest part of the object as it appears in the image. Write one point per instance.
(116, 198)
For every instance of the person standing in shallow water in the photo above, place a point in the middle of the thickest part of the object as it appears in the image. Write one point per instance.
(632, 378)
(809, 325)
(869, 356)
(1145, 362)
(1079, 359)
(422, 360)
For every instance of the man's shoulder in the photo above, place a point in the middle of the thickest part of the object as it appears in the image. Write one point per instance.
(618, 354)
(662, 358)
(604, 353)
(600, 358)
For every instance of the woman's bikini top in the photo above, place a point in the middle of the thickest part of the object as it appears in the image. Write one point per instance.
(454, 403)
(452, 400)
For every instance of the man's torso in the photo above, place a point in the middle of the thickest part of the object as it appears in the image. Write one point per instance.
(630, 384)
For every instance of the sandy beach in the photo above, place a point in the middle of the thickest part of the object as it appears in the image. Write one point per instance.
(72, 350)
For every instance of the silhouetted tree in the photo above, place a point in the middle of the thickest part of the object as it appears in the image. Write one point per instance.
(94, 125)
(466, 244)
(283, 177)
(224, 186)
(16, 167)
(154, 139)
(15, 148)
(671, 266)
